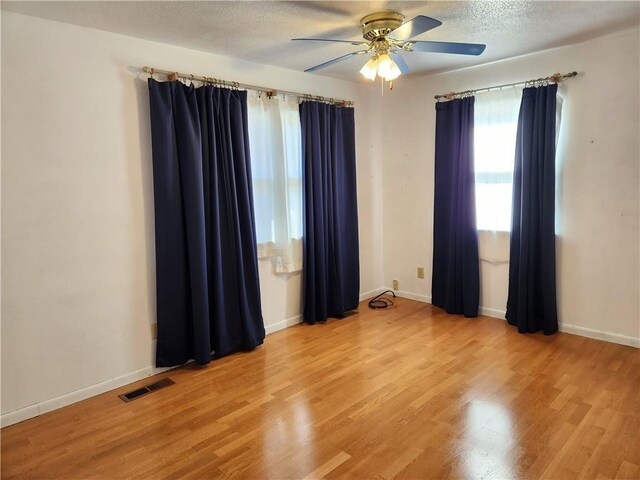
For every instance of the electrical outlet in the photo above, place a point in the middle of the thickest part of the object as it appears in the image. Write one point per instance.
(420, 272)
(395, 285)
(154, 331)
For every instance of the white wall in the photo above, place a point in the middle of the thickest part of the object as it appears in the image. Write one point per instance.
(598, 172)
(77, 206)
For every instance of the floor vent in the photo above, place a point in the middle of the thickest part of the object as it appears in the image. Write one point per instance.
(152, 387)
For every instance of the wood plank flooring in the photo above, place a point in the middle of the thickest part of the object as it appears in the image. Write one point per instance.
(408, 392)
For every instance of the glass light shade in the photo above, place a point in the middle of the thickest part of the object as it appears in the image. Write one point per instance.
(370, 68)
(387, 68)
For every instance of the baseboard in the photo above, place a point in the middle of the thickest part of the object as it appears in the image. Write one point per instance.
(18, 416)
(399, 293)
(563, 327)
(34, 410)
(289, 322)
(31, 411)
(281, 325)
(492, 312)
(600, 335)
(372, 293)
(413, 296)
(489, 312)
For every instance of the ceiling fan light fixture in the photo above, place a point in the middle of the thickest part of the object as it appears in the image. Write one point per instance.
(387, 33)
(387, 68)
(370, 69)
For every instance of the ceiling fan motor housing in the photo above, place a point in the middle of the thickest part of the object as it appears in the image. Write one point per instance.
(377, 25)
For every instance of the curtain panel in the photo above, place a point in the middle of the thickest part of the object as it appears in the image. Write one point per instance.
(208, 297)
(330, 240)
(456, 269)
(531, 304)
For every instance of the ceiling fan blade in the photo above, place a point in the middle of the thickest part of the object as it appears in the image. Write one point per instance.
(335, 60)
(402, 65)
(352, 42)
(447, 47)
(414, 27)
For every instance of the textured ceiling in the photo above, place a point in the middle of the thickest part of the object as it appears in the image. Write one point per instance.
(260, 31)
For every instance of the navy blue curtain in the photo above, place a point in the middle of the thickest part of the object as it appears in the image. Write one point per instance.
(331, 255)
(531, 305)
(208, 296)
(456, 270)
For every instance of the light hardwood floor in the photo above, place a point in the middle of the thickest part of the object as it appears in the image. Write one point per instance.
(408, 392)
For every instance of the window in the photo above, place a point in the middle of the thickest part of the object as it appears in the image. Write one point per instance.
(495, 128)
(276, 168)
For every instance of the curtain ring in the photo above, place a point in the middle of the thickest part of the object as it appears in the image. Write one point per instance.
(152, 72)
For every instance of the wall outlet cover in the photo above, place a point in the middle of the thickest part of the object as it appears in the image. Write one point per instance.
(395, 285)
(420, 272)
(154, 331)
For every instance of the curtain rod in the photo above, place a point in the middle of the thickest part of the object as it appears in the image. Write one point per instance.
(270, 92)
(555, 78)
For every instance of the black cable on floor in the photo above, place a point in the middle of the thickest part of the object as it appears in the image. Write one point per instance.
(377, 302)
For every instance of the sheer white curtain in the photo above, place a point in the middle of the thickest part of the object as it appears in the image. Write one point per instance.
(276, 163)
(495, 128)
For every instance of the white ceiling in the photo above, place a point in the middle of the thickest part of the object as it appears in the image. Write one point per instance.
(260, 31)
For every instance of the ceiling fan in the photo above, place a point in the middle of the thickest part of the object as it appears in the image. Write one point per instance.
(387, 36)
